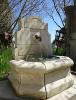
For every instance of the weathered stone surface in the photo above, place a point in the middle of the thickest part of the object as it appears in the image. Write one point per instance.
(7, 93)
(29, 85)
(58, 86)
(32, 39)
(41, 79)
(68, 94)
(56, 75)
(58, 63)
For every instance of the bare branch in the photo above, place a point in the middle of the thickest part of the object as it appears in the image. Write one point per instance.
(58, 13)
(51, 16)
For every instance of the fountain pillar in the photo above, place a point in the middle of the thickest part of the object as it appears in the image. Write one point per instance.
(32, 39)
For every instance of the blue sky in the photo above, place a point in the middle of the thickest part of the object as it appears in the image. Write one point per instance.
(52, 27)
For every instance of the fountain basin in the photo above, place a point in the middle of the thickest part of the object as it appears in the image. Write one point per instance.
(42, 79)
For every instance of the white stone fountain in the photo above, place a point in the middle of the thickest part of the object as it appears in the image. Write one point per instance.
(40, 75)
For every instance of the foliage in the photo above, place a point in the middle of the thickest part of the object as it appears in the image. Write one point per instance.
(58, 51)
(5, 57)
(5, 18)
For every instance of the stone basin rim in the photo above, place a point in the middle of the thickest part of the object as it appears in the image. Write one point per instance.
(63, 62)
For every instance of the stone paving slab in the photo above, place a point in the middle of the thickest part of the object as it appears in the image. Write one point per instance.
(7, 93)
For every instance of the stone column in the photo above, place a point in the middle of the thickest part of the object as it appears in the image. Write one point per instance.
(71, 32)
(74, 2)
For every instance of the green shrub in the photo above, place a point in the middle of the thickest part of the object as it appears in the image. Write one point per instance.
(58, 51)
(5, 57)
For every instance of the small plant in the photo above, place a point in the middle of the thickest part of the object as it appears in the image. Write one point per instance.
(5, 57)
(58, 51)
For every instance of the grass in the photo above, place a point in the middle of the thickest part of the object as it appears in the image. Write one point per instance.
(5, 57)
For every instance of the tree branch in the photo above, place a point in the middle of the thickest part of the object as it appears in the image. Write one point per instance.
(58, 12)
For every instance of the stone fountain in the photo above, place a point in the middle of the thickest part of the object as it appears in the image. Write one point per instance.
(35, 72)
